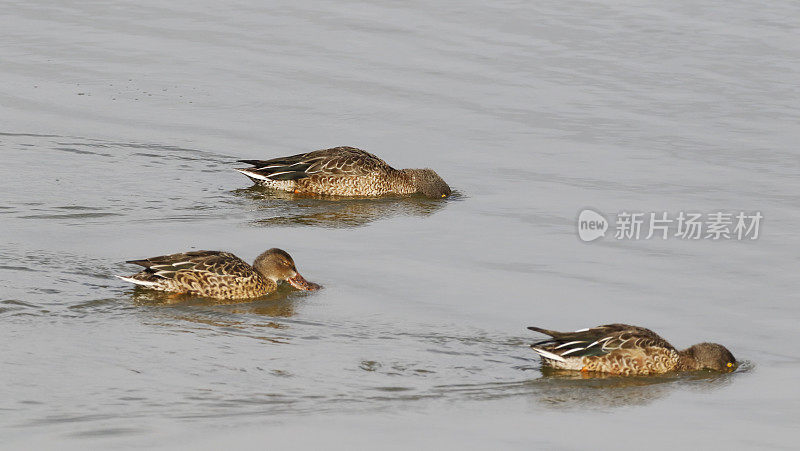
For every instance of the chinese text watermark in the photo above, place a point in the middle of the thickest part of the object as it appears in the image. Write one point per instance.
(683, 225)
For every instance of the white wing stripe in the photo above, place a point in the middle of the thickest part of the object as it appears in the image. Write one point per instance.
(571, 351)
(549, 355)
(569, 344)
(599, 341)
(136, 281)
(253, 174)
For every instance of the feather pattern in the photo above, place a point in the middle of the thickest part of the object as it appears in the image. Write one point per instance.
(612, 348)
(204, 273)
(341, 171)
(335, 162)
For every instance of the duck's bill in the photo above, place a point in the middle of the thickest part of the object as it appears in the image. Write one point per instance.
(302, 284)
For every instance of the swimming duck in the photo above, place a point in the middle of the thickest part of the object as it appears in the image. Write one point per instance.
(626, 350)
(219, 274)
(343, 171)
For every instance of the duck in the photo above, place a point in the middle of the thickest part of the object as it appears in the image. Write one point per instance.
(625, 350)
(218, 274)
(343, 171)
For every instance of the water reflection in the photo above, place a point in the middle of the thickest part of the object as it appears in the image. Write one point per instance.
(281, 303)
(279, 208)
(562, 391)
(569, 389)
(199, 315)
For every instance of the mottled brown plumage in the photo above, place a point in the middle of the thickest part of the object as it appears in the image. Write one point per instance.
(343, 171)
(219, 274)
(626, 350)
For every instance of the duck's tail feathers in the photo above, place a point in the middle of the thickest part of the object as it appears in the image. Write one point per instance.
(552, 333)
(275, 174)
(278, 169)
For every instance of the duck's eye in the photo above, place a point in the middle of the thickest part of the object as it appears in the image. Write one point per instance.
(730, 364)
(444, 195)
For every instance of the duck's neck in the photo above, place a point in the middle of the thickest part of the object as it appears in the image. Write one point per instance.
(261, 266)
(686, 360)
(404, 181)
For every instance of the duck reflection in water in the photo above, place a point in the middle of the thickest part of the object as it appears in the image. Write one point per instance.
(281, 304)
(264, 319)
(561, 389)
(279, 208)
(571, 389)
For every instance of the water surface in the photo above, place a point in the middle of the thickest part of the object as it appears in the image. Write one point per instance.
(121, 123)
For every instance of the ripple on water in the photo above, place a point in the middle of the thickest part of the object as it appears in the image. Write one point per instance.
(17, 306)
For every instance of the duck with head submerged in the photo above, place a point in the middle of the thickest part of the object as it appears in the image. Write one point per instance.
(218, 274)
(343, 171)
(628, 351)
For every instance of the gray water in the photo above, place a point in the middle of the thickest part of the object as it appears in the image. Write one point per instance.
(120, 123)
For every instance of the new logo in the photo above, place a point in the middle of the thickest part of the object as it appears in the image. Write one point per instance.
(591, 225)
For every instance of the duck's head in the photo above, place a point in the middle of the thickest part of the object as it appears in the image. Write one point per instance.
(277, 265)
(428, 183)
(711, 356)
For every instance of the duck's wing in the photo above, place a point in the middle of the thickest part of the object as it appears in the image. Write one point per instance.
(337, 162)
(214, 262)
(595, 341)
